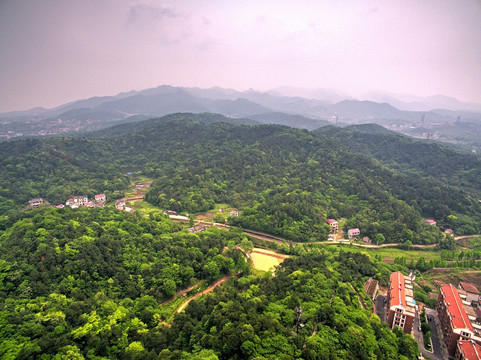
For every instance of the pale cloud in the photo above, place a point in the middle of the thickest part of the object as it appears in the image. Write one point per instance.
(57, 51)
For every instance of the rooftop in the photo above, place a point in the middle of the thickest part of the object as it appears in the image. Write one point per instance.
(398, 292)
(456, 310)
(471, 350)
(469, 287)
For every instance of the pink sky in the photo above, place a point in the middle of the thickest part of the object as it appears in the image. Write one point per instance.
(55, 51)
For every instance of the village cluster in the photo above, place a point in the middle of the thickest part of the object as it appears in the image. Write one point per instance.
(457, 313)
(355, 232)
(75, 201)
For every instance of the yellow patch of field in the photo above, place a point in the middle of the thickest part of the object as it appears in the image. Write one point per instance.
(266, 260)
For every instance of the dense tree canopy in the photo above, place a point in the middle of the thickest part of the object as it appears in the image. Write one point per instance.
(92, 283)
(286, 181)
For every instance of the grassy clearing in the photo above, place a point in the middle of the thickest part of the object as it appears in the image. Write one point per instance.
(263, 261)
(391, 253)
(219, 213)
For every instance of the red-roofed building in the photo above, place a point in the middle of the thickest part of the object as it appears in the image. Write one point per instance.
(100, 198)
(333, 224)
(430, 222)
(472, 293)
(455, 323)
(353, 233)
(400, 303)
(467, 350)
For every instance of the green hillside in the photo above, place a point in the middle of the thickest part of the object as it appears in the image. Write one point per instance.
(285, 181)
(97, 284)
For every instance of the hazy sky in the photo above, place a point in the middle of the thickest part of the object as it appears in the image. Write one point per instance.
(55, 51)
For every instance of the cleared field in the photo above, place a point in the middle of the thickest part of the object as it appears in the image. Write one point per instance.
(266, 260)
(388, 254)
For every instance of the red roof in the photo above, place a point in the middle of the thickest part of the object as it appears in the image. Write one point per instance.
(397, 291)
(459, 317)
(469, 287)
(471, 350)
(331, 221)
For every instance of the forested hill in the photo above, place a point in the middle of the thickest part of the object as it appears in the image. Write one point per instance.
(417, 158)
(97, 284)
(285, 181)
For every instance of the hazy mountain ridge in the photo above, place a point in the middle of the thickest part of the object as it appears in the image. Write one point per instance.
(294, 111)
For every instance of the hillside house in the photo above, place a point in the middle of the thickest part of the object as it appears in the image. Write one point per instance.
(333, 224)
(198, 228)
(36, 202)
(353, 233)
(170, 212)
(77, 201)
(366, 240)
(430, 222)
(449, 232)
(120, 204)
(100, 198)
(234, 212)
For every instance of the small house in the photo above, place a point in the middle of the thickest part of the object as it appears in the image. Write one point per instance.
(170, 212)
(198, 228)
(449, 232)
(430, 222)
(353, 233)
(76, 201)
(234, 212)
(120, 204)
(100, 198)
(36, 202)
(366, 240)
(333, 224)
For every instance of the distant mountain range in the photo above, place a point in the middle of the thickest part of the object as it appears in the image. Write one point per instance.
(279, 106)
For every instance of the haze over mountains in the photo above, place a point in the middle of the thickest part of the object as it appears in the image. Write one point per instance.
(279, 106)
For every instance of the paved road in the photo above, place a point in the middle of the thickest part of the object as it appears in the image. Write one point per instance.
(437, 350)
(380, 307)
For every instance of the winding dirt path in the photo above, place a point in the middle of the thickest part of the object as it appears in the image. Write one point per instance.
(206, 291)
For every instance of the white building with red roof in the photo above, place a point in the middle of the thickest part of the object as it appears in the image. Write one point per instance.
(353, 233)
(400, 303)
(430, 222)
(455, 323)
(100, 198)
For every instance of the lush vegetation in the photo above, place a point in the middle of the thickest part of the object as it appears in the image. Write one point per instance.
(91, 283)
(287, 182)
(98, 283)
(93, 279)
